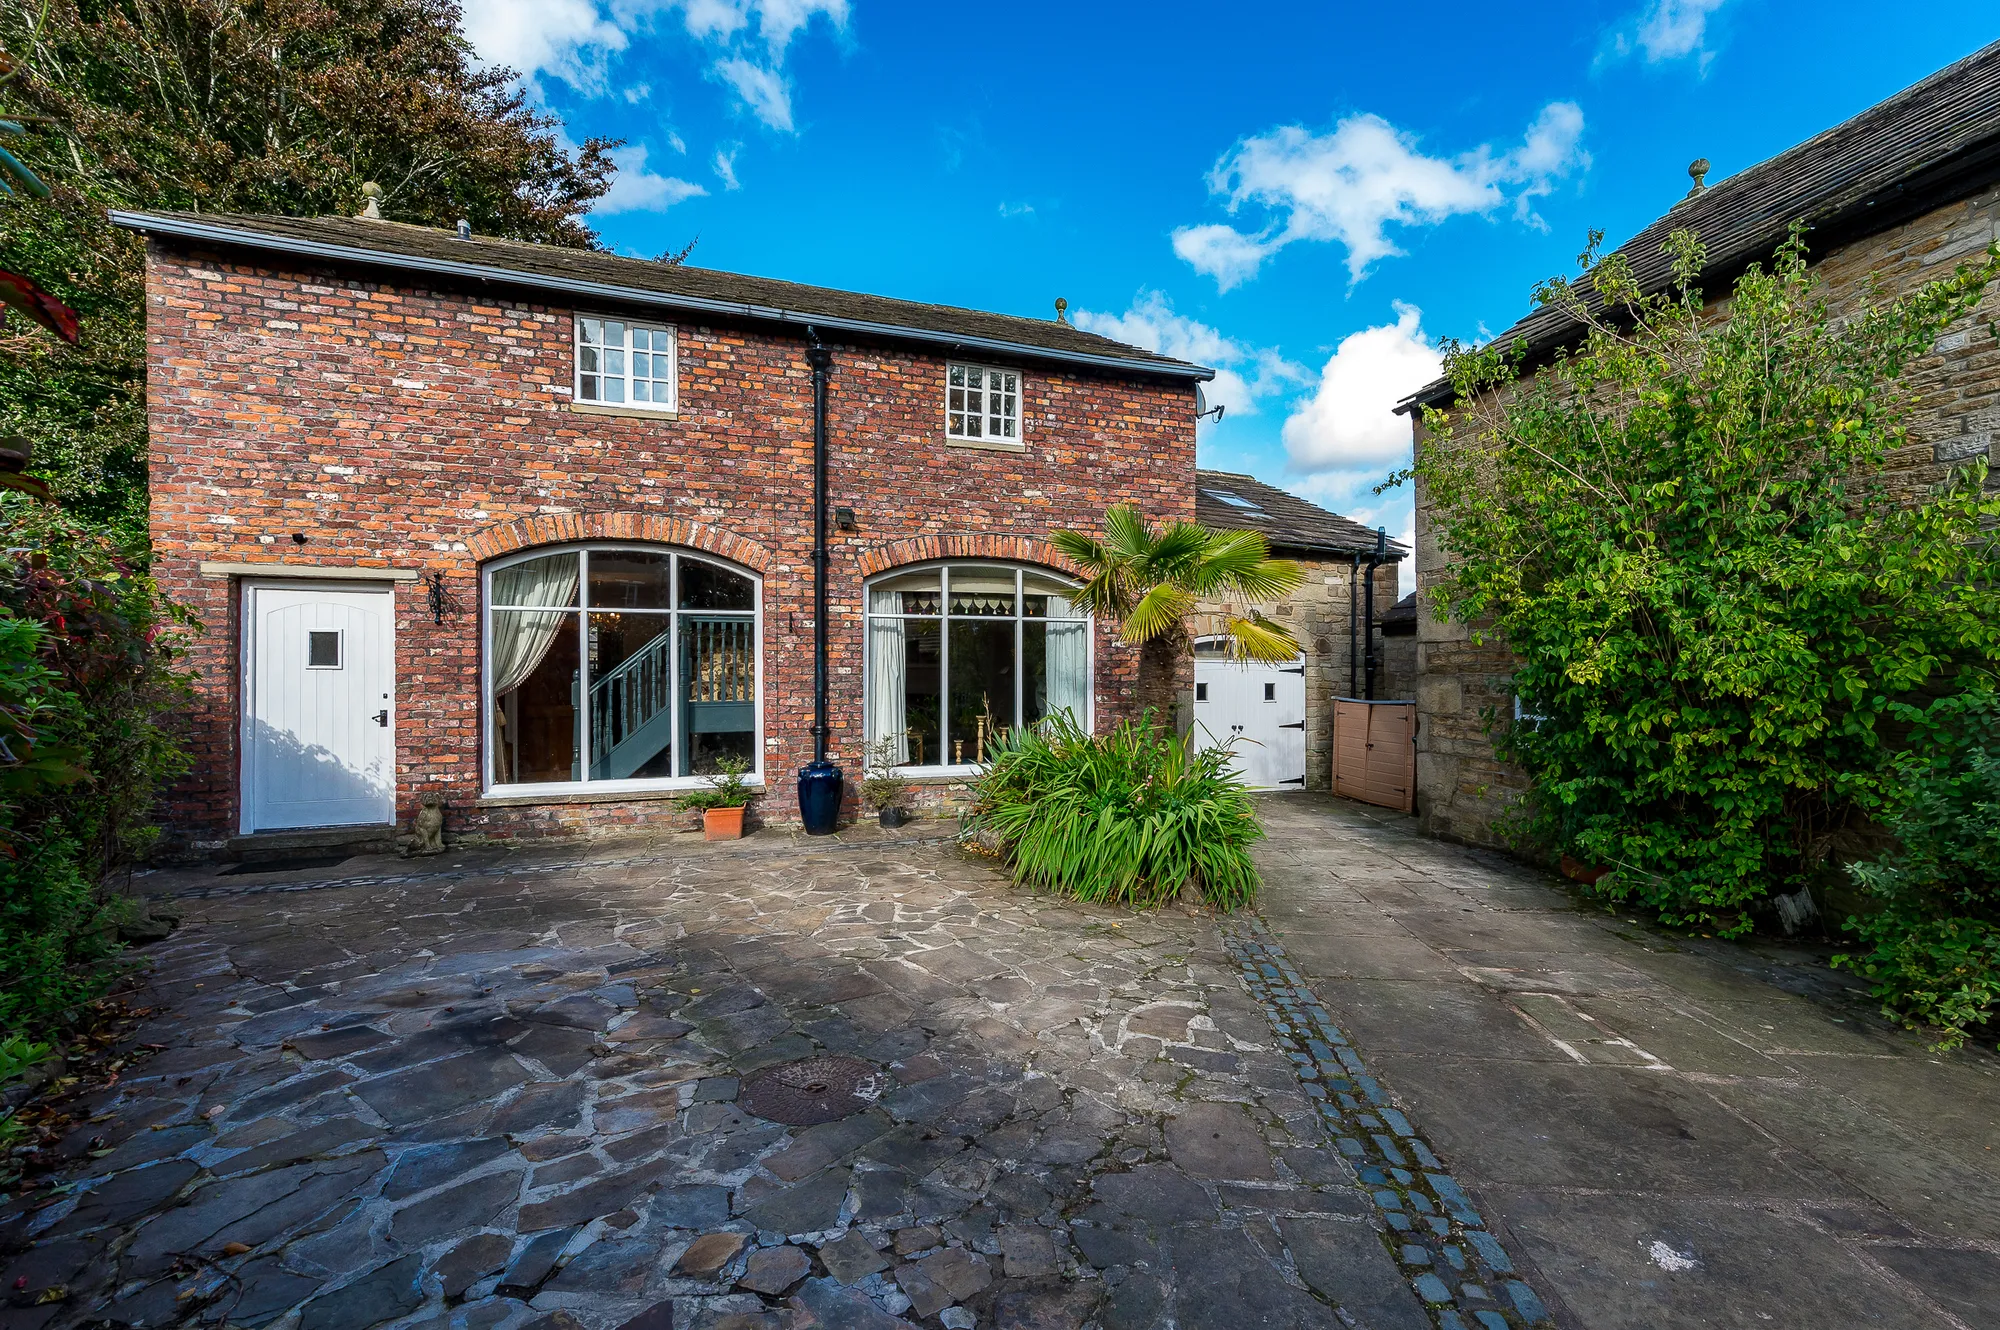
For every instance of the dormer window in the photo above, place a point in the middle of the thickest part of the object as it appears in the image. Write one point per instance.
(625, 364)
(982, 405)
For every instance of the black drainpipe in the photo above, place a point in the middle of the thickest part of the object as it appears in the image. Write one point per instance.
(820, 782)
(1353, 624)
(1368, 626)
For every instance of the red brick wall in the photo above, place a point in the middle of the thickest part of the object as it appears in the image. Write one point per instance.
(428, 428)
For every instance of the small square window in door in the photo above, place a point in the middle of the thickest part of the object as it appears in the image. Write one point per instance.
(1270, 692)
(1201, 692)
(323, 649)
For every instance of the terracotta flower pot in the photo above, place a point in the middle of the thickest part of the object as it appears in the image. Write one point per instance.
(722, 823)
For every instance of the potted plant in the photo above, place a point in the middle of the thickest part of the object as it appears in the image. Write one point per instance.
(883, 788)
(721, 806)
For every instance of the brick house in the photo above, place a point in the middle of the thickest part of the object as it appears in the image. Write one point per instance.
(532, 529)
(1285, 712)
(1899, 194)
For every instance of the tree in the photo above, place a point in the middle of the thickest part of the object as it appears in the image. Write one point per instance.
(1722, 612)
(1154, 579)
(283, 106)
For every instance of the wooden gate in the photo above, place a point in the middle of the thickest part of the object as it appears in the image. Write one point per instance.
(1375, 752)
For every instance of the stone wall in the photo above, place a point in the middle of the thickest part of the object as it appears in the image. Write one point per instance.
(428, 428)
(1463, 687)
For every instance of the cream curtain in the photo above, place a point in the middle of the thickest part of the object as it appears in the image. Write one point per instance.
(521, 638)
(888, 726)
(1068, 662)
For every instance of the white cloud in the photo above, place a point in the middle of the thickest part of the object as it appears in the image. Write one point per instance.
(764, 91)
(1672, 29)
(1222, 252)
(1016, 209)
(576, 41)
(1242, 374)
(636, 189)
(1349, 424)
(570, 39)
(725, 166)
(1351, 184)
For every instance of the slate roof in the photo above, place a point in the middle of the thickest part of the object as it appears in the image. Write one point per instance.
(612, 277)
(1287, 521)
(1400, 619)
(1930, 143)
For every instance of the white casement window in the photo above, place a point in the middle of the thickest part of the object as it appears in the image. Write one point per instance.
(960, 653)
(982, 404)
(626, 364)
(619, 667)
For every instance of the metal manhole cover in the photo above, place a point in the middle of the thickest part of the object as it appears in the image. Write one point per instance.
(810, 1091)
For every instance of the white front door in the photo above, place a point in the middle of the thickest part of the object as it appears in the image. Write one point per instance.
(1260, 711)
(319, 733)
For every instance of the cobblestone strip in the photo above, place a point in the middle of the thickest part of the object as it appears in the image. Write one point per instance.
(527, 870)
(1459, 1270)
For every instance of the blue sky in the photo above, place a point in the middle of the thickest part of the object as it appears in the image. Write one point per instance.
(1305, 197)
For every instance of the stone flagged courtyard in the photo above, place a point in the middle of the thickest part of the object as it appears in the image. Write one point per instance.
(1423, 1088)
(504, 1093)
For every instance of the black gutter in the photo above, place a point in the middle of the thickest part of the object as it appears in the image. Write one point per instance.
(190, 229)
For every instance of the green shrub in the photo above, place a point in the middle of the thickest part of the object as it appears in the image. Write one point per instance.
(89, 690)
(1131, 816)
(1935, 953)
(1686, 530)
(727, 788)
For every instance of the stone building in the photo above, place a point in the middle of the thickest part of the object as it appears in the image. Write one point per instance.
(532, 530)
(1897, 195)
(1328, 615)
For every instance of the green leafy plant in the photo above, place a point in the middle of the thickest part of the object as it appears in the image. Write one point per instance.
(1684, 530)
(881, 786)
(1934, 938)
(727, 788)
(1132, 816)
(18, 1057)
(1153, 579)
(90, 692)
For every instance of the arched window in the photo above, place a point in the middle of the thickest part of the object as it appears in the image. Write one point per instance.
(961, 651)
(619, 667)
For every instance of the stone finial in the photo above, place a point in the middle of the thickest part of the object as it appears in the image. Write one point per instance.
(1062, 310)
(371, 211)
(1697, 170)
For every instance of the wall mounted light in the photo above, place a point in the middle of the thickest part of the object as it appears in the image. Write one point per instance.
(843, 518)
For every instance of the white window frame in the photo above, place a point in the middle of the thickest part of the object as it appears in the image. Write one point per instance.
(983, 439)
(579, 353)
(754, 778)
(943, 618)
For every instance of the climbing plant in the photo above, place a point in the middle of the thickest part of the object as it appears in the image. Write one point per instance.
(1724, 606)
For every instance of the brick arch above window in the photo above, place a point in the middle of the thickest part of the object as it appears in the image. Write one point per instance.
(922, 549)
(651, 528)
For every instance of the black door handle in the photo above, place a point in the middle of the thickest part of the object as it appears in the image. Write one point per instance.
(382, 719)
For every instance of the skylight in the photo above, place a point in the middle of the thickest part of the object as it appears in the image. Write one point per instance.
(1233, 499)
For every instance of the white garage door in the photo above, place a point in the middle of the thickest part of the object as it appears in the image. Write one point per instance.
(1260, 710)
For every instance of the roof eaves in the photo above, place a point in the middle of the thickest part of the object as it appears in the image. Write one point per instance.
(189, 229)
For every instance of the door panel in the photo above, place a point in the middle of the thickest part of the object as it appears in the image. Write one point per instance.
(319, 739)
(1262, 709)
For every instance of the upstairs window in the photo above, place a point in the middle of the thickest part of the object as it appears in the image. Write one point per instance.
(982, 404)
(625, 364)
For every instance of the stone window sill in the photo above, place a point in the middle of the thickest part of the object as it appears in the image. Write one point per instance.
(631, 412)
(985, 445)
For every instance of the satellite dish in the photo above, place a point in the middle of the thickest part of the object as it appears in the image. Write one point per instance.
(1202, 408)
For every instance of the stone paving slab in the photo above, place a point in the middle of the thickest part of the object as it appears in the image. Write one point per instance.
(1661, 1130)
(501, 1094)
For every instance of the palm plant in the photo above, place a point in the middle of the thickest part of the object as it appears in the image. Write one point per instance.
(1155, 581)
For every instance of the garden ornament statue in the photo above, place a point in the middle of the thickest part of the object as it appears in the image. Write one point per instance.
(427, 827)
